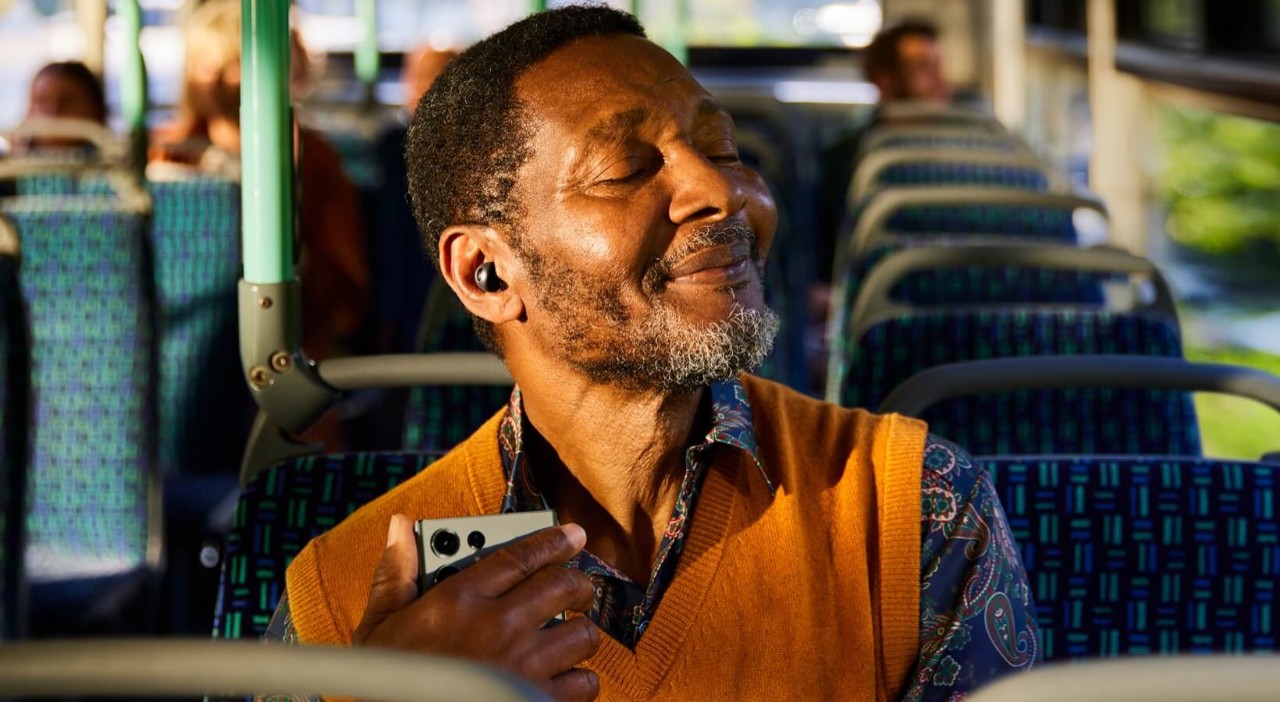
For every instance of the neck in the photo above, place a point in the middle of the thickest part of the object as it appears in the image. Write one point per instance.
(224, 133)
(610, 460)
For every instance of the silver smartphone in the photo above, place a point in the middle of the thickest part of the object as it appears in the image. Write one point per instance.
(446, 546)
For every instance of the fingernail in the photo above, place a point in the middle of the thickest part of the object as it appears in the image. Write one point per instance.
(393, 530)
(576, 535)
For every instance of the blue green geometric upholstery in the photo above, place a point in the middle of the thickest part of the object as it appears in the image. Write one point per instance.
(203, 403)
(85, 278)
(1056, 421)
(439, 417)
(1032, 221)
(948, 173)
(951, 142)
(1139, 555)
(976, 285)
(63, 184)
(283, 509)
(15, 373)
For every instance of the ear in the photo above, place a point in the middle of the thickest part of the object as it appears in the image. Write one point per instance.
(463, 248)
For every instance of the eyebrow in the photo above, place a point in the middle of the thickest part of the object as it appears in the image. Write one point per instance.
(617, 127)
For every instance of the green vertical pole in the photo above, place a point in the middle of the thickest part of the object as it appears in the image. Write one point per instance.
(537, 6)
(367, 55)
(266, 148)
(133, 81)
(678, 43)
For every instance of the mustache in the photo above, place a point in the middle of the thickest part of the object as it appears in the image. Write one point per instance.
(710, 236)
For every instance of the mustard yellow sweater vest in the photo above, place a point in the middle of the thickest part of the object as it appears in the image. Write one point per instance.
(810, 594)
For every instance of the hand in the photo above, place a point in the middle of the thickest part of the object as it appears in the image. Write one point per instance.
(493, 611)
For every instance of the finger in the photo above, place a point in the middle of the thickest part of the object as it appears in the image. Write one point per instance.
(577, 685)
(498, 572)
(550, 591)
(395, 580)
(561, 647)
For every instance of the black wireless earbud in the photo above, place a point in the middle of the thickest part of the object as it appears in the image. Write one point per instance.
(487, 278)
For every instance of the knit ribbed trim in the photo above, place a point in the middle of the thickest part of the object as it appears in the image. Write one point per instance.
(484, 469)
(639, 674)
(900, 457)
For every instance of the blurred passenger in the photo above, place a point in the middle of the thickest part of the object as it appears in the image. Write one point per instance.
(404, 272)
(421, 67)
(66, 90)
(206, 136)
(904, 64)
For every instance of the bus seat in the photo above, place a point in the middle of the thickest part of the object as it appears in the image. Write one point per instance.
(15, 373)
(1058, 421)
(203, 403)
(64, 184)
(932, 173)
(85, 280)
(398, 258)
(1138, 555)
(439, 417)
(279, 512)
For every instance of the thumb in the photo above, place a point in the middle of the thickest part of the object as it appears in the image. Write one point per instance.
(395, 580)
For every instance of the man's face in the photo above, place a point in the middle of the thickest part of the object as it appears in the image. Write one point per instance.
(919, 75)
(642, 233)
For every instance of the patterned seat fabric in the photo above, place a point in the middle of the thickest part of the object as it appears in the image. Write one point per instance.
(948, 173)
(203, 402)
(84, 277)
(974, 142)
(1058, 421)
(283, 509)
(439, 417)
(1033, 221)
(15, 373)
(1146, 555)
(977, 285)
(64, 184)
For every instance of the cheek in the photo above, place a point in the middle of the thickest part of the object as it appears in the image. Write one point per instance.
(762, 212)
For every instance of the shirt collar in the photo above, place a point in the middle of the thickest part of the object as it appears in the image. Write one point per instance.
(731, 425)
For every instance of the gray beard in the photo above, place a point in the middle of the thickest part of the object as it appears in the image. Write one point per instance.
(662, 352)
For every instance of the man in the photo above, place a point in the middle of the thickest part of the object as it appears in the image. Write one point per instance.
(726, 538)
(904, 64)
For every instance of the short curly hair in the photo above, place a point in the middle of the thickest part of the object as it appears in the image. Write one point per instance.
(468, 136)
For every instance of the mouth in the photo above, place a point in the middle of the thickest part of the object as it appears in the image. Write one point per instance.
(727, 264)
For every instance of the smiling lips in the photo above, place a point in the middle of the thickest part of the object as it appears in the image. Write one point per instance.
(717, 265)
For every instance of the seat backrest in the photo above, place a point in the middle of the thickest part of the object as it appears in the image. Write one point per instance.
(15, 372)
(203, 403)
(279, 512)
(439, 417)
(935, 173)
(86, 281)
(1061, 421)
(1137, 555)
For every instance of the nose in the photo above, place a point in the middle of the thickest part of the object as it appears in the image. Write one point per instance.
(702, 191)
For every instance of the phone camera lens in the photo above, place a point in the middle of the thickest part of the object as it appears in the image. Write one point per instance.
(445, 542)
(446, 571)
(475, 540)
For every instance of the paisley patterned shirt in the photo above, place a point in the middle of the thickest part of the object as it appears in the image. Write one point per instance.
(976, 613)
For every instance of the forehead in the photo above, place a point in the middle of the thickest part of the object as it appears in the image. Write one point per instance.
(596, 77)
(914, 45)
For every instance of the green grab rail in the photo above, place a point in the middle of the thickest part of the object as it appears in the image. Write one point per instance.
(368, 59)
(133, 83)
(536, 6)
(266, 151)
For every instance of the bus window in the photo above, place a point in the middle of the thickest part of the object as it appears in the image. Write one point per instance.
(1213, 230)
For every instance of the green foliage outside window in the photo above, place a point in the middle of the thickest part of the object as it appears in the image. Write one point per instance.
(1220, 181)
